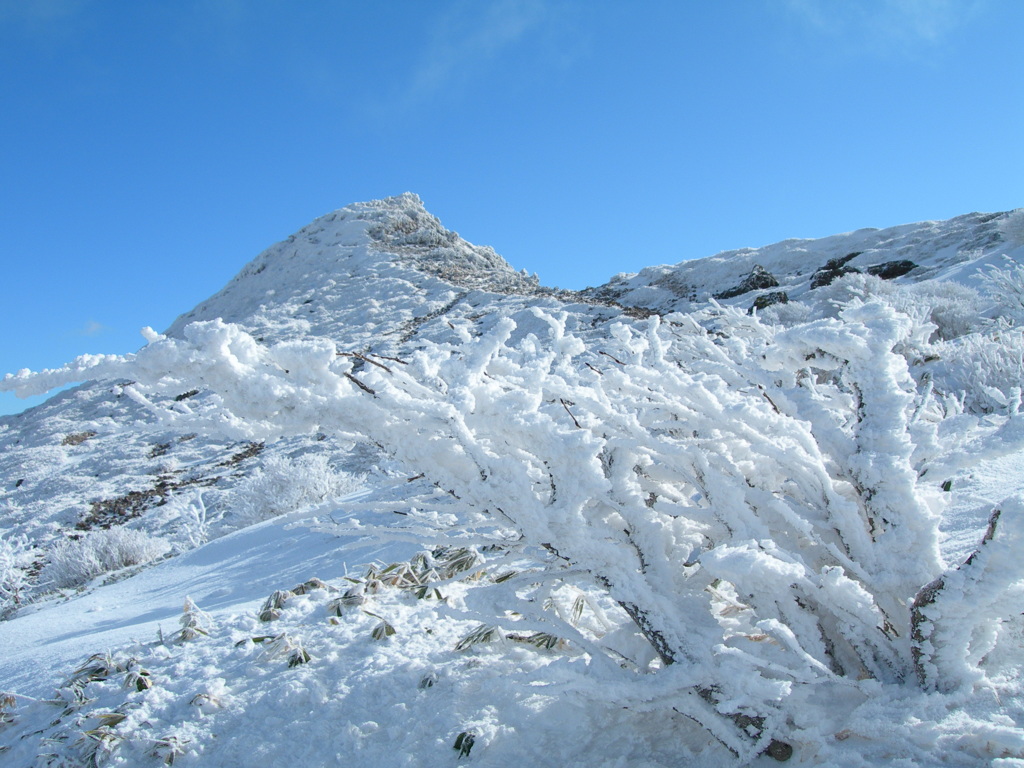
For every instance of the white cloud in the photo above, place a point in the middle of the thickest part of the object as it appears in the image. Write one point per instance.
(40, 15)
(467, 39)
(92, 328)
(48, 28)
(885, 26)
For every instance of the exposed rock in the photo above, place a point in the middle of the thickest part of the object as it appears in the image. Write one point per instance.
(77, 438)
(403, 227)
(768, 299)
(891, 269)
(834, 268)
(779, 750)
(758, 279)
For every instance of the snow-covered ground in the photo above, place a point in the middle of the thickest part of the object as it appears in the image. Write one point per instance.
(231, 698)
(374, 347)
(226, 699)
(229, 575)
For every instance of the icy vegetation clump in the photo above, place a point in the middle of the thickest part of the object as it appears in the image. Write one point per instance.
(1005, 285)
(282, 485)
(953, 309)
(73, 562)
(15, 562)
(984, 370)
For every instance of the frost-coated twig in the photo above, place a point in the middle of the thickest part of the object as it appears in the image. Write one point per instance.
(948, 612)
(360, 384)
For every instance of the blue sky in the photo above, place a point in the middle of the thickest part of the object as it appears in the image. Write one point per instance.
(148, 150)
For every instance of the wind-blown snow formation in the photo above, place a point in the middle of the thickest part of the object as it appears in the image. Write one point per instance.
(756, 507)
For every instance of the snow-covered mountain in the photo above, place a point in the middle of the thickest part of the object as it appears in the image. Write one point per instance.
(113, 511)
(951, 250)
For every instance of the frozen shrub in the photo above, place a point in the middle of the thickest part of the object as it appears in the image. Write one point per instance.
(15, 559)
(75, 561)
(195, 521)
(194, 621)
(984, 368)
(957, 618)
(283, 485)
(828, 301)
(786, 314)
(954, 309)
(1006, 286)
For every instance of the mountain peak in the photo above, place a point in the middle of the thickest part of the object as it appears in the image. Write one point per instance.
(405, 228)
(341, 265)
(396, 203)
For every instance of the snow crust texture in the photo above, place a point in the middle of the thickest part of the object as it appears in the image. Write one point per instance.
(386, 500)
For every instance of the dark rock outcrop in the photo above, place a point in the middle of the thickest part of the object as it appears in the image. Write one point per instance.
(758, 279)
(834, 268)
(891, 269)
(768, 299)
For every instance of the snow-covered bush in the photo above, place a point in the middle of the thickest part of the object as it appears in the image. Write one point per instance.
(830, 299)
(983, 369)
(194, 622)
(750, 498)
(193, 520)
(957, 618)
(283, 485)
(978, 361)
(1006, 286)
(953, 308)
(785, 314)
(15, 561)
(72, 562)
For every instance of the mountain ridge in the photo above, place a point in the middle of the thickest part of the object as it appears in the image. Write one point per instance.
(953, 249)
(396, 241)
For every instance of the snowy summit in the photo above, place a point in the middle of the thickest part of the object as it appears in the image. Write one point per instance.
(386, 500)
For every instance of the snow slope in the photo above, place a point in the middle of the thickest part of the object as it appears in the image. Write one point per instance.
(225, 700)
(231, 574)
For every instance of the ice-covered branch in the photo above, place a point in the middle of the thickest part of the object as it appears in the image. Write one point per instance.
(957, 617)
